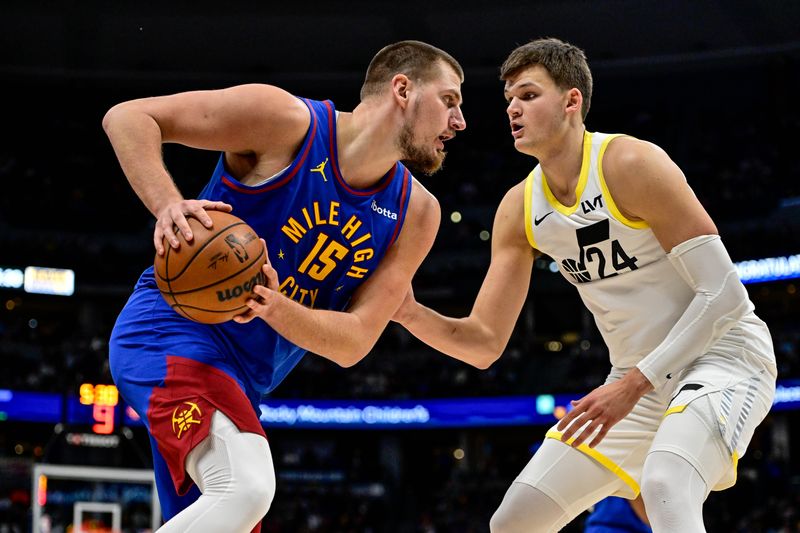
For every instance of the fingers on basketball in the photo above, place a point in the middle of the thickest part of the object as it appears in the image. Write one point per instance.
(209, 279)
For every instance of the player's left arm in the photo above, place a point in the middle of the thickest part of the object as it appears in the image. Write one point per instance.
(346, 337)
(647, 185)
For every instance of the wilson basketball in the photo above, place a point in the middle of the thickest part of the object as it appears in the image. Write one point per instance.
(209, 279)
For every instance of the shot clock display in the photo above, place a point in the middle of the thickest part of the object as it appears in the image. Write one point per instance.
(104, 400)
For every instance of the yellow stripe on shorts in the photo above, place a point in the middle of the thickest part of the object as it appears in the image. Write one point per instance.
(602, 459)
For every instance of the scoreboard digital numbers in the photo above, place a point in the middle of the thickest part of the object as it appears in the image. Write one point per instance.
(104, 400)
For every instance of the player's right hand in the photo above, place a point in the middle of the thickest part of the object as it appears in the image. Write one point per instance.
(172, 219)
(261, 303)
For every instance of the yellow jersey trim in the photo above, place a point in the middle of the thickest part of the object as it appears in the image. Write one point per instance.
(529, 208)
(676, 409)
(584, 177)
(602, 459)
(612, 206)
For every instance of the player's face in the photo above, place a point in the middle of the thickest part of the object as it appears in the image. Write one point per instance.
(434, 116)
(536, 109)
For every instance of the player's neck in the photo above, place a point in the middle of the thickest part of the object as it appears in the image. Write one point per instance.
(562, 162)
(366, 146)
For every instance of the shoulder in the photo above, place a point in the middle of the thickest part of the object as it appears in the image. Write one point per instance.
(648, 186)
(265, 94)
(639, 173)
(269, 103)
(423, 205)
(627, 155)
(509, 220)
(420, 226)
(512, 206)
(272, 119)
(515, 196)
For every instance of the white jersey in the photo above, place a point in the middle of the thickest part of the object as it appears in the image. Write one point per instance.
(618, 266)
(629, 284)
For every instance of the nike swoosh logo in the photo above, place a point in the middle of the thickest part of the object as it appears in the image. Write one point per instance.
(537, 221)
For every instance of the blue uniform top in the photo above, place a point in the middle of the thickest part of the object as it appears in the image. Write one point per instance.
(615, 515)
(324, 239)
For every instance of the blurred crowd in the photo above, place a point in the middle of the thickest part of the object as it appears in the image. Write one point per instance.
(51, 352)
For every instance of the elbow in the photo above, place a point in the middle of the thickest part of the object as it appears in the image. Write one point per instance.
(488, 351)
(109, 117)
(485, 361)
(117, 115)
(482, 364)
(730, 302)
(348, 360)
(486, 357)
(353, 356)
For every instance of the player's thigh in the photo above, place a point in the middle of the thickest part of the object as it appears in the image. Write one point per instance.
(569, 477)
(713, 415)
(170, 501)
(623, 450)
(699, 433)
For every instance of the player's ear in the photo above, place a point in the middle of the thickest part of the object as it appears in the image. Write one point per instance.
(574, 101)
(401, 85)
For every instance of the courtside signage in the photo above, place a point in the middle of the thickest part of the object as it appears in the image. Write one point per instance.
(58, 281)
(769, 269)
(406, 414)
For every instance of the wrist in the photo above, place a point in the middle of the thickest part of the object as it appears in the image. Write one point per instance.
(638, 381)
(272, 301)
(264, 302)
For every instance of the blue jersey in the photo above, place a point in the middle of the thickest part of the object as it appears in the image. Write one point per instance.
(615, 515)
(324, 238)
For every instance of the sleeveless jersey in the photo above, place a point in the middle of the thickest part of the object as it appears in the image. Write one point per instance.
(620, 270)
(324, 239)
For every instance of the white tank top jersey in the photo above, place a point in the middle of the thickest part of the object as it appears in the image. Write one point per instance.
(618, 266)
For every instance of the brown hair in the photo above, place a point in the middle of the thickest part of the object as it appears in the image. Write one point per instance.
(415, 59)
(565, 63)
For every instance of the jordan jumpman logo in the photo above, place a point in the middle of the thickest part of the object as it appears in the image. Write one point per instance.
(321, 169)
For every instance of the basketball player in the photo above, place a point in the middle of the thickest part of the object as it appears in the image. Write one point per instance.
(693, 369)
(346, 223)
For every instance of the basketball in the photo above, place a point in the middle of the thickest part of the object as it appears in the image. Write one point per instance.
(209, 279)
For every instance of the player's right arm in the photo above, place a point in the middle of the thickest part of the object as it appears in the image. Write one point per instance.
(256, 121)
(480, 338)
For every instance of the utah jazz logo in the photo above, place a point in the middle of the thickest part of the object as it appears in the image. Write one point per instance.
(589, 241)
(184, 417)
(321, 169)
(237, 247)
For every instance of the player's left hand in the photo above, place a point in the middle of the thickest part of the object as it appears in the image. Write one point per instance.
(259, 304)
(602, 408)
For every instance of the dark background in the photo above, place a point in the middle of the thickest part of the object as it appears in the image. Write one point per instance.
(715, 83)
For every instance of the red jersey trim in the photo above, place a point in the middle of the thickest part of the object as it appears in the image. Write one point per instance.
(404, 195)
(382, 183)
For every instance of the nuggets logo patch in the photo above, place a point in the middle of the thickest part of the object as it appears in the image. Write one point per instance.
(183, 417)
